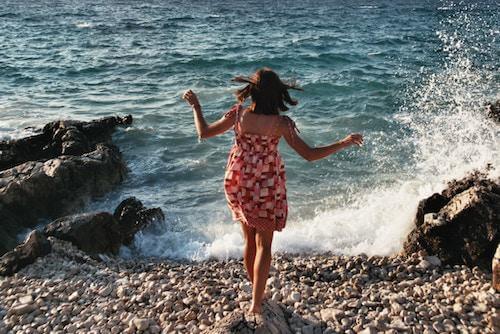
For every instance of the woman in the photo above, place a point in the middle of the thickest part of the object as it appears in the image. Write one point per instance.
(254, 181)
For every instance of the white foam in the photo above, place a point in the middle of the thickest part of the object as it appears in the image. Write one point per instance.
(84, 25)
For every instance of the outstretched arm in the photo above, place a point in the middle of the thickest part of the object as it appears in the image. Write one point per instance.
(207, 130)
(316, 153)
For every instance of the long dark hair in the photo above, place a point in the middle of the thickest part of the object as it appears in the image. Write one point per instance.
(268, 93)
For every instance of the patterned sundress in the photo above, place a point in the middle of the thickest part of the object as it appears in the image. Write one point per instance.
(254, 181)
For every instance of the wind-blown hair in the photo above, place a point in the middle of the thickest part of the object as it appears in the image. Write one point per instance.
(268, 93)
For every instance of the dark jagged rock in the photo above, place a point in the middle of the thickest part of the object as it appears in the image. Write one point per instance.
(273, 320)
(49, 189)
(462, 224)
(59, 138)
(35, 245)
(133, 216)
(493, 110)
(93, 233)
(103, 232)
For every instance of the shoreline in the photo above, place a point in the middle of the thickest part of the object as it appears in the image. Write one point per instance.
(68, 291)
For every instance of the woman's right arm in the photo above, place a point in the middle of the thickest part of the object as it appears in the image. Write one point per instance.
(315, 153)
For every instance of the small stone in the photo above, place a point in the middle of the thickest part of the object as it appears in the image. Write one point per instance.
(106, 291)
(434, 260)
(424, 264)
(141, 323)
(74, 296)
(331, 314)
(276, 297)
(22, 309)
(122, 291)
(369, 330)
(28, 299)
(295, 296)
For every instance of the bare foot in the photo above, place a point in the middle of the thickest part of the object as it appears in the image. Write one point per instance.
(256, 310)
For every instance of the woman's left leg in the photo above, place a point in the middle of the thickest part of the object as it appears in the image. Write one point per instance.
(263, 240)
(250, 249)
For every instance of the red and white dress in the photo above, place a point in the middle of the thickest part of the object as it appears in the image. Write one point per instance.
(254, 181)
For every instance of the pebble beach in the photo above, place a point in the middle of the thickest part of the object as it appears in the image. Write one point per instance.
(69, 292)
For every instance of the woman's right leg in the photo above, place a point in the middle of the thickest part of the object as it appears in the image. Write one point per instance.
(250, 249)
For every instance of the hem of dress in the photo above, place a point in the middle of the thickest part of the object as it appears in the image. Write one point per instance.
(247, 224)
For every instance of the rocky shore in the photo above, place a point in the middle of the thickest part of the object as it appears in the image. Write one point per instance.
(69, 278)
(68, 291)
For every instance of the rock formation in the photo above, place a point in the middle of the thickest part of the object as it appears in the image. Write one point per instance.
(133, 216)
(57, 138)
(53, 173)
(462, 224)
(94, 233)
(91, 232)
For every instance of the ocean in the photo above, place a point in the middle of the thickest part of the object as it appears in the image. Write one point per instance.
(411, 76)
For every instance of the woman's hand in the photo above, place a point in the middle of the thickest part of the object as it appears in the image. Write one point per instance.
(191, 98)
(353, 139)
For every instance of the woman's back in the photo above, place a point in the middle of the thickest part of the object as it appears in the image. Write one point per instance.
(259, 124)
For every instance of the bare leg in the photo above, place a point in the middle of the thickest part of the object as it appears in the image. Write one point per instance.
(249, 252)
(263, 240)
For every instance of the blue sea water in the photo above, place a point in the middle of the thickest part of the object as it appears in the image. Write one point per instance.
(412, 76)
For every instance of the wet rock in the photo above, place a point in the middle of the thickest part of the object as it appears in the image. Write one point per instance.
(59, 138)
(93, 233)
(36, 189)
(465, 229)
(132, 216)
(34, 246)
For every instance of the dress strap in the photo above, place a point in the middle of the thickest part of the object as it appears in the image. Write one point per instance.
(237, 120)
(235, 109)
(292, 127)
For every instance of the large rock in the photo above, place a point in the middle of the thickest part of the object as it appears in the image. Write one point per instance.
(49, 189)
(133, 216)
(93, 233)
(102, 232)
(59, 138)
(273, 321)
(35, 245)
(462, 224)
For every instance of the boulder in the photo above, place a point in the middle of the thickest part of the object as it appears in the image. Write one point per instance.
(102, 232)
(133, 216)
(273, 321)
(93, 233)
(37, 189)
(59, 138)
(35, 245)
(462, 224)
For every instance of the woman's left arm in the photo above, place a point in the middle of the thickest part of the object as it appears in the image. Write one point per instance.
(207, 130)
